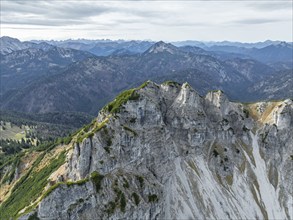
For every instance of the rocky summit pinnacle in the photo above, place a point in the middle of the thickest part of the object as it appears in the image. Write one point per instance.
(165, 152)
(161, 46)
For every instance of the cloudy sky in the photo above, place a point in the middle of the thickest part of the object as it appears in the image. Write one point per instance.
(241, 20)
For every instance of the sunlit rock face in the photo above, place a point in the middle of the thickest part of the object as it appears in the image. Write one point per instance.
(172, 154)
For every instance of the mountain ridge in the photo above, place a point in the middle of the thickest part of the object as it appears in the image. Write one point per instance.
(158, 146)
(24, 73)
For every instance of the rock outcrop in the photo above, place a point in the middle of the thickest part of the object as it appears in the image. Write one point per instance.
(165, 152)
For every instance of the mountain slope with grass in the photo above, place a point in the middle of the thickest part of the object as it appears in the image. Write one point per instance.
(161, 151)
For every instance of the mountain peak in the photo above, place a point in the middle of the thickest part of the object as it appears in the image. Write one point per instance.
(284, 44)
(9, 44)
(7, 38)
(161, 46)
(44, 46)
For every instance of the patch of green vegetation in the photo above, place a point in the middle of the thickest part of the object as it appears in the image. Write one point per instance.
(29, 187)
(110, 208)
(135, 198)
(140, 180)
(97, 179)
(132, 120)
(122, 202)
(125, 184)
(88, 131)
(69, 183)
(9, 146)
(215, 153)
(131, 94)
(107, 137)
(121, 99)
(50, 145)
(87, 127)
(153, 198)
(171, 83)
(291, 157)
(63, 140)
(26, 176)
(10, 175)
(11, 131)
(73, 119)
(187, 85)
(82, 135)
(120, 197)
(37, 129)
(109, 142)
(78, 182)
(8, 160)
(246, 113)
(264, 137)
(100, 126)
(130, 130)
(216, 90)
(143, 85)
(51, 189)
(107, 149)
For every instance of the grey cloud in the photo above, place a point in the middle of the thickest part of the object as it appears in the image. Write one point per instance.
(252, 21)
(16, 8)
(145, 18)
(79, 11)
(271, 5)
(177, 23)
(42, 22)
(58, 13)
(54, 13)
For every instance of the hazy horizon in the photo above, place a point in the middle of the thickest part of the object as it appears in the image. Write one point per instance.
(150, 40)
(170, 21)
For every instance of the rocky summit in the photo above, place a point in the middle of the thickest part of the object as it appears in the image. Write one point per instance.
(165, 152)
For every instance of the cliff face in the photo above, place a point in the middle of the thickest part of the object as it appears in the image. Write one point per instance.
(168, 153)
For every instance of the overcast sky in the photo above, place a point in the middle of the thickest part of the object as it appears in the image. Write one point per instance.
(242, 20)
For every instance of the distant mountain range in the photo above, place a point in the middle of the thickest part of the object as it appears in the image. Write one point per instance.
(21, 67)
(272, 53)
(207, 44)
(83, 75)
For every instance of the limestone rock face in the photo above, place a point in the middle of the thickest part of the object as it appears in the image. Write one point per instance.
(172, 154)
